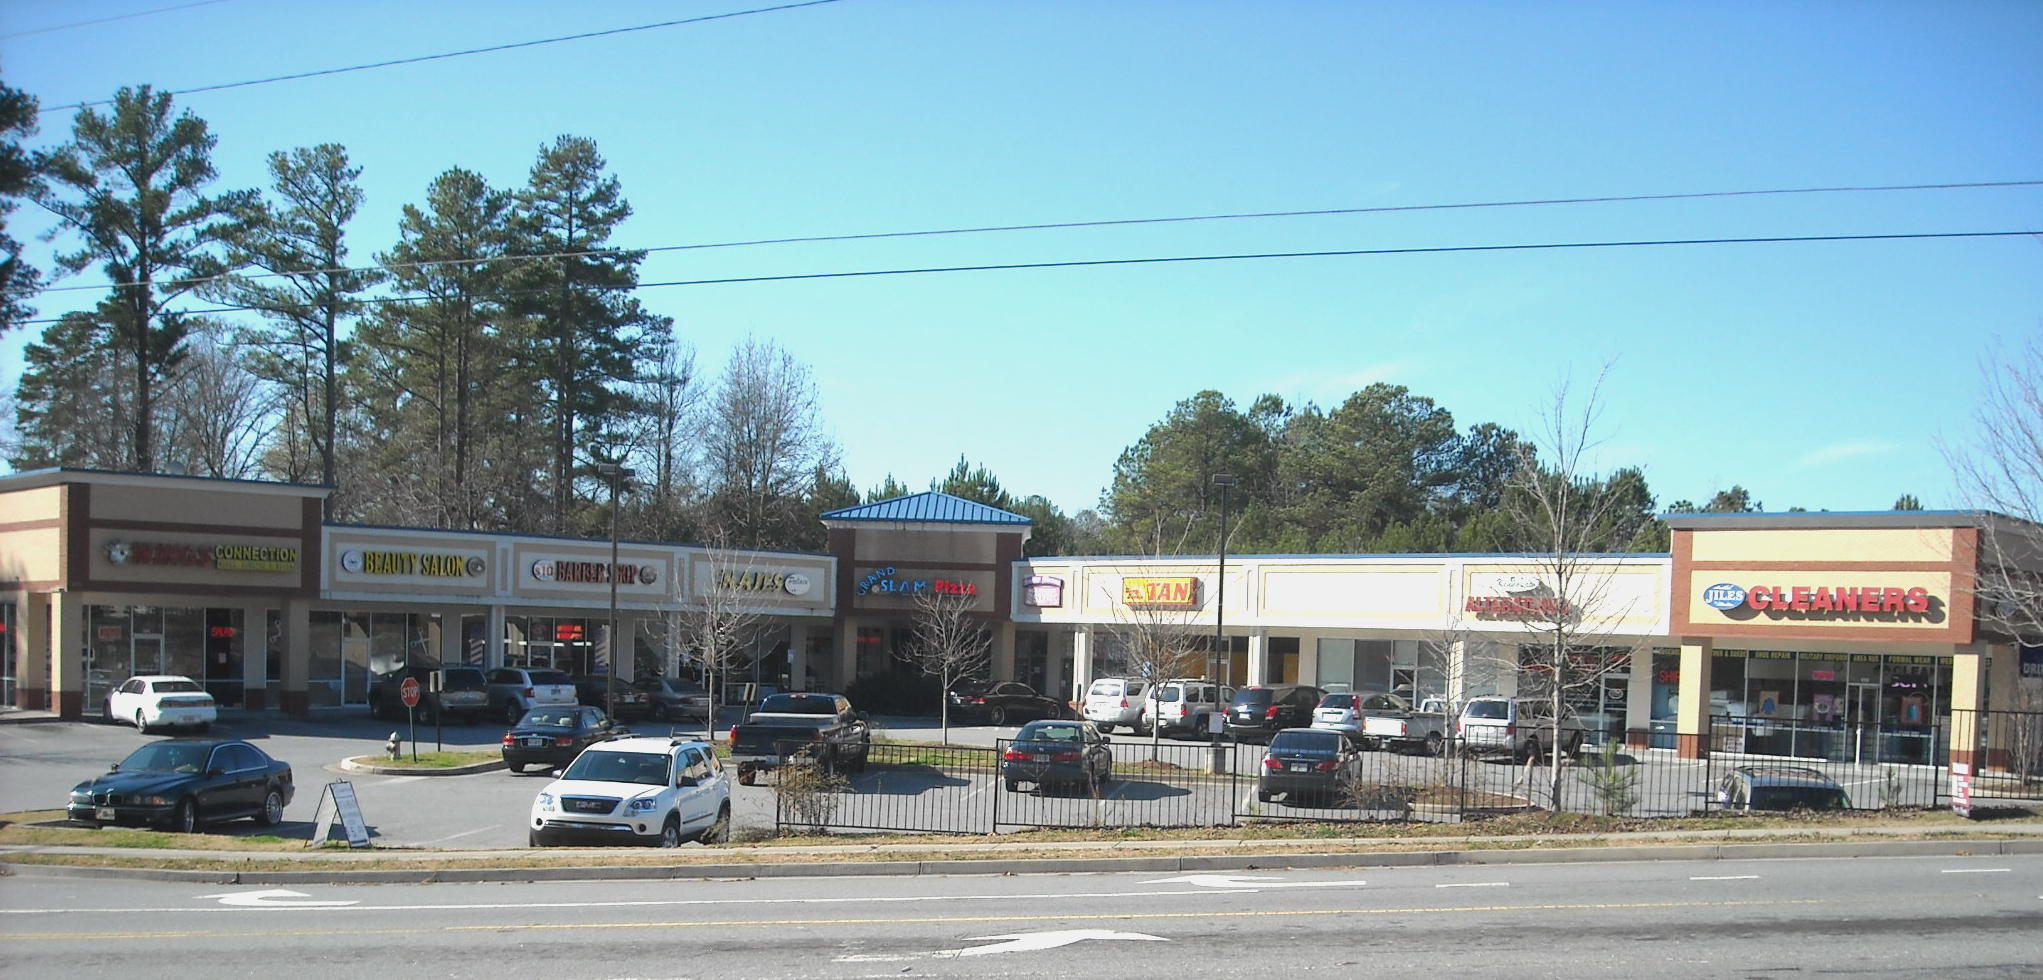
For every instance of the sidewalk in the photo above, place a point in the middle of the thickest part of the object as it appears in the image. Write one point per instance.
(11, 715)
(1068, 857)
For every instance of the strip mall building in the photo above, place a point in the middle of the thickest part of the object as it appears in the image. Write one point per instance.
(1844, 636)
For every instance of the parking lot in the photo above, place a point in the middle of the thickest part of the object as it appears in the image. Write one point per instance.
(909, 786)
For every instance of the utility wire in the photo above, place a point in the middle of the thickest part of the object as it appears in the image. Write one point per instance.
(109, 20)
(1103, 223)
(1235, 257)
(458, 54)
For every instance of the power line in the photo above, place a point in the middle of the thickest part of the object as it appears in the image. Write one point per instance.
(109, 20)
(458, 54)
(1102, 223)
(1233, 257)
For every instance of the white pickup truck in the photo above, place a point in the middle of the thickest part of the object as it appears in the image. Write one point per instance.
(1388, 719)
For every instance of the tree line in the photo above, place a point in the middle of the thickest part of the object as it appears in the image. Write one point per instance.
(488, 368)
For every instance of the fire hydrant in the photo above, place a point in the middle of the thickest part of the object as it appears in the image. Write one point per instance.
(392, 746)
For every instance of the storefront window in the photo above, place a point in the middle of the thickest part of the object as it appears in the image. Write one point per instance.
(7, 665)
(1864, 707)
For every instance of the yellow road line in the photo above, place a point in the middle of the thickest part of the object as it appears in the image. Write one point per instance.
(925, 920)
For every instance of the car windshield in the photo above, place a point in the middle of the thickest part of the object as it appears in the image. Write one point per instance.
(546, 718)
(168, 757)
(1038, 731)
(619, 767)
(1292, 741)
(550, 677)
(1487, 709)
(1337, 701)
(797, 704)
(1106, 689)
(175, 687)
(1254, 696)
(1168, 692)
(461, 680)
(1382, 702)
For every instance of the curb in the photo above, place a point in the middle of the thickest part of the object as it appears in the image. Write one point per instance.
(350, 765)
(1020, 866)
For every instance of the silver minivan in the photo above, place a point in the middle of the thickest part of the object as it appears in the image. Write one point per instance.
(1518, 727)
(1115, 702)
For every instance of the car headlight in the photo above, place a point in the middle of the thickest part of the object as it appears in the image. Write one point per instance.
(81, 796)
(546, 802)
(153, 800)
(644, 804)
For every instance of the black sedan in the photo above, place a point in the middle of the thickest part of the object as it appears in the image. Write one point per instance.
(1057, 753)
(181, 783)
(551, 736)
(1000, 704)
(632, 702)
(1315, 764)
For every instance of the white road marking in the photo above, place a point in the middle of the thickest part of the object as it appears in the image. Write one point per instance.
(1976, 871)
(270, 898)
(1018, 943)
(465, 833)
(1250, 882)
(650, 903)
(1722, 877)
(1475, 884)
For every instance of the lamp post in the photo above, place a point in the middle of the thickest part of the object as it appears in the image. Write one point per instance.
(1218, 722)
(617, 474)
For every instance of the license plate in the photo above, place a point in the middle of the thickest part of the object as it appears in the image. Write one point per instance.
(103, 813)
(535, 741)
(1039, 757)
(1300, 767)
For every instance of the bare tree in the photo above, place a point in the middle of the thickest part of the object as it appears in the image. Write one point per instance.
(2000, 470)
(718, 621)
(1157, 642)
(1569, 522)
(763, 440)
(950, 644)
(217, 412)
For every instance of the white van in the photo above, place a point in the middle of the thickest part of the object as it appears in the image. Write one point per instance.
(1115, 702)
(1182, 705)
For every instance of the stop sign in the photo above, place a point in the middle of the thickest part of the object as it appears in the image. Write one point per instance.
(408, 692)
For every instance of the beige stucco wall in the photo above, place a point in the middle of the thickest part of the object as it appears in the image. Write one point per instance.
(38, 504)
(949, 545)
(1411, 595)
(209, 504)
(33, 555)
(1886, 545)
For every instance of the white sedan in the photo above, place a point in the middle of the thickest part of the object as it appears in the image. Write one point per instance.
(161, 699)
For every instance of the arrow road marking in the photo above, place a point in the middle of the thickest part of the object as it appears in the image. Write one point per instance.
(1027, 941)
(276, 898)
(1250, 882)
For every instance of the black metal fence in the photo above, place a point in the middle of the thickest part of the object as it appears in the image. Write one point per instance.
(961, 790)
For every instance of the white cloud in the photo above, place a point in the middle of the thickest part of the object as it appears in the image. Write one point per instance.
(1843, 451)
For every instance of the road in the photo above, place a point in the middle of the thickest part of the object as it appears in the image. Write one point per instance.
(1888, 917)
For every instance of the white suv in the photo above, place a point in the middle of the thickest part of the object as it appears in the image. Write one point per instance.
(516, 690)
(1520, 727)
(1183, 705)
(645, 790)
(1115, 702)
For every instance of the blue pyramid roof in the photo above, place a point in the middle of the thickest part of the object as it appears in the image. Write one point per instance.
(928, 508)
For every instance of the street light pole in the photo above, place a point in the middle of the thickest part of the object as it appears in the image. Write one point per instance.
(617, 474)
(1219, 725)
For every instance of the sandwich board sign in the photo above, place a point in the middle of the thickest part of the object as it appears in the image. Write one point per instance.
(338, 800)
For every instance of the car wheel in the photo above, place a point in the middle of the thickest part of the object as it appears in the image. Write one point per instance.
(511, 712)
(720, 831)
(1264, 796)
(1014, 785)
(1574, 745)
(1144, 730)
(186, 818)
(670, 832)
(1532, 749)
(106, 711)
(747, 776)
(140, 725)
(514, 768)
(272, 808)
(532, 839)
(1435, 744)
(997, 717)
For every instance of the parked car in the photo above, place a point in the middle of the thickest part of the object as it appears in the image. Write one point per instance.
(1260, 711)
(1003, 703)
(1309, 765)
(1053, 754)
(824, 727)
(552, 735)
(631, 700)
(673, 699)
(1340, 713)
(1181, 706)
(182, 783)
(1390, 720)
(463, 694)
(1780, 788)
(516, 690)
(1518, 727)
(166, 700)
(1116, 702)
(640, 790)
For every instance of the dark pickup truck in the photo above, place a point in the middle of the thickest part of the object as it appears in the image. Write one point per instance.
(822, 725)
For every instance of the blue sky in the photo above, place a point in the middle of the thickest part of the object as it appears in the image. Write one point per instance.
(1817, 375)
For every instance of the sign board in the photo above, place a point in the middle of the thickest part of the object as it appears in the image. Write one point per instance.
(408, 692)
(2031, 664)
(1961, 789)
(339, 800)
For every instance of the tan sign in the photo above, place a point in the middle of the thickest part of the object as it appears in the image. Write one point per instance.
(1176, 591)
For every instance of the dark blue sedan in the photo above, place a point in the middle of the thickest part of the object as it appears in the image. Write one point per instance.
(1057, 754)
(181, 783)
